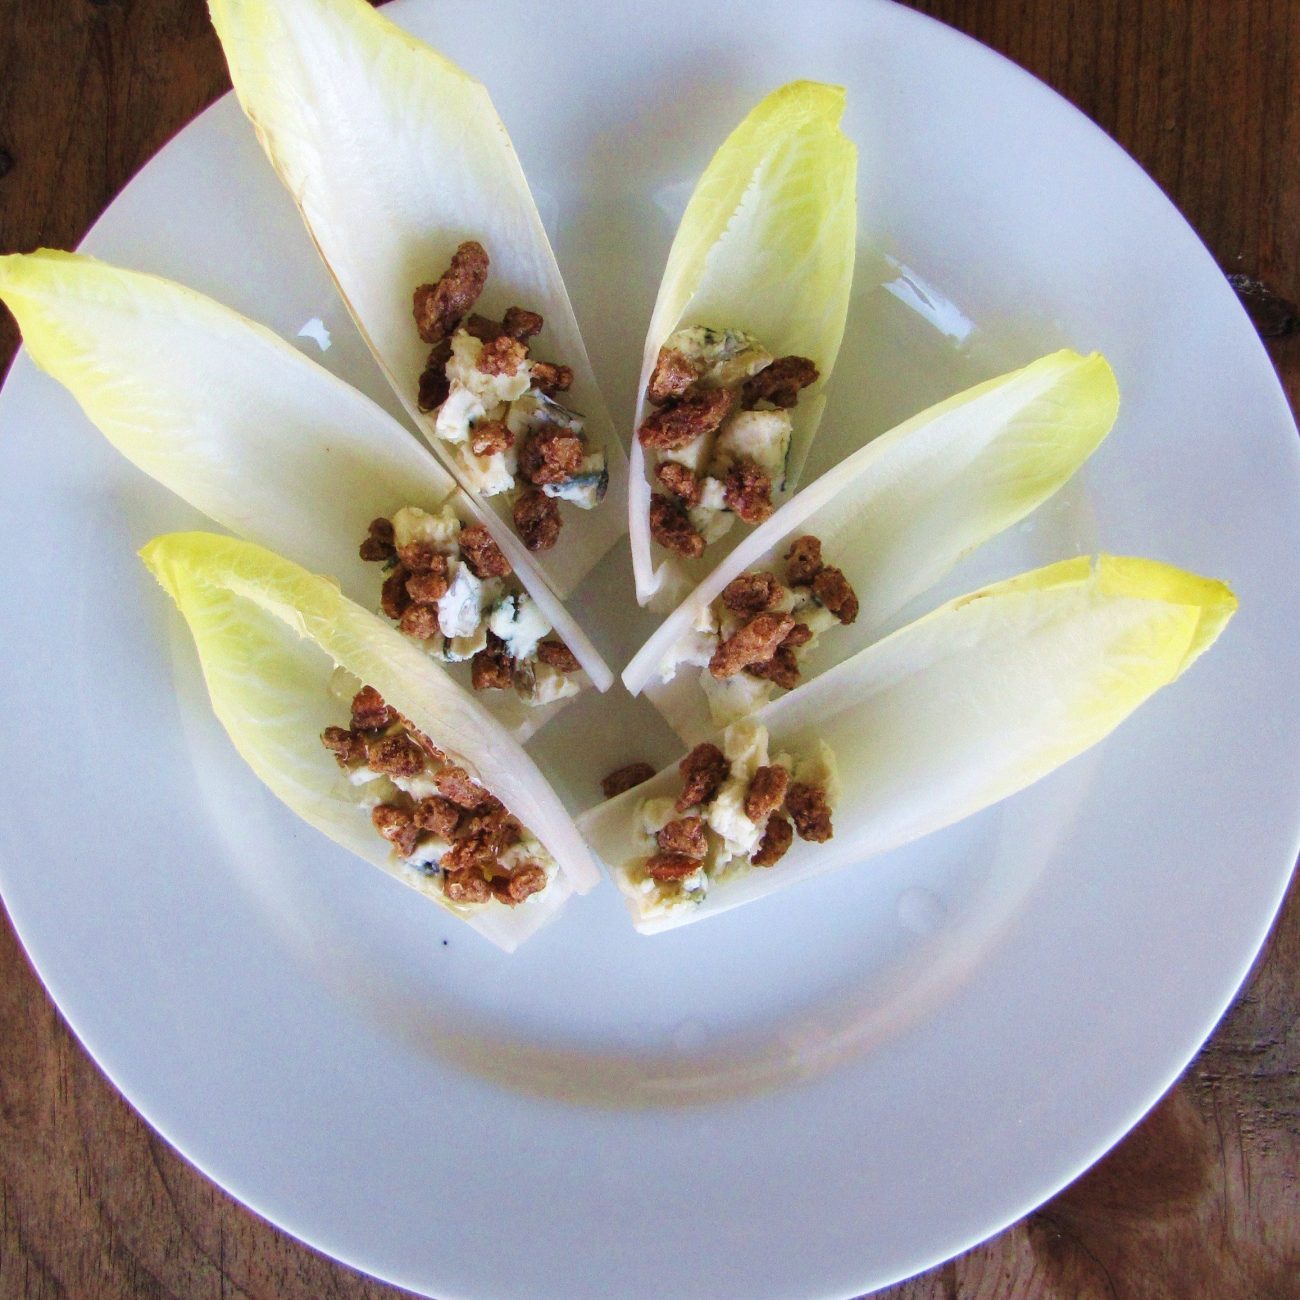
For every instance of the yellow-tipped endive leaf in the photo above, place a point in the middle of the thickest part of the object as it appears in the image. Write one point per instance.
(899, 513)
(394, 156)
(766, 245)
(269, 637)
(246, 428)
(960, 709)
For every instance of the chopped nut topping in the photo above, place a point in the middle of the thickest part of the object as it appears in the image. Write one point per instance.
(455, 784)
(397, 826)
(480, 551)
(537, 519)
(393, 598)
(551, 455)
(778, 835)
(466, 885)
(797, 636)
(465, 855)
(489, 437)
(521, 883)
(703, 771)
(684, 836)
(832, 588)
(671, 866)
(492, 669)
(429, 586)
(521, 323)
(766, 792)
(379, 544)
(624, 778)
(803, 561)
(673, 374)
(395, 756)
(812, 814)
(557, 655)
(678, 424)
(437, 815)
(752, 593)
(679, 480)
(346, 746)
(671, 527)
(755, 643)
(502, 356)
(780, 382)
(439, 306)
(782, 668)
(420, 555)
(549, 378)
(747, 489)
(369, 712)
(420, 621)
(434, 384)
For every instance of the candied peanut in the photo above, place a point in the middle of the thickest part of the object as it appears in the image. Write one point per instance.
(797, 636)
(396, 826)
(685, 836)
(549, 378)
(780, 382)
(502, 356)
(434, 386)
(747, 489)
(537, 518)
(624, 778)
(520, 323)
(466, 885)
(671, 527)
(782, 668)
(480, 551)
(420, 621)
(766, 792)
(671, 866)
(678, 424)
(521, 883)
(369, 712)
(703, 771)
(379, 543)
(557, 655)
(489, 437)
(778, 835)
(803, 561)
(680, 481)
(752, 593)
(832, 588)
(393, 598)
(755, 643)
(395, 756)
(551, 455)
(455, 784)
(439, 306)
(492, 669)
(673, 374)
(430, 586)
(437, 815)
(812, 814)
(346, 746)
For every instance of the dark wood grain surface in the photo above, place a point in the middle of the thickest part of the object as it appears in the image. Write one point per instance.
(1202, 1199)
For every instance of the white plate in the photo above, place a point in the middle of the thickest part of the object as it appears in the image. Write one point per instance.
(810, 1097)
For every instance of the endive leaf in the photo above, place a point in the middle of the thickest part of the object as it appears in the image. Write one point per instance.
(899, 513)
(394, 156)
(766, 245)
(269, 636)
(244, 427)
(961, 709)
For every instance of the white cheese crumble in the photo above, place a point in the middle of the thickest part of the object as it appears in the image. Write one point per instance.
(723, 358)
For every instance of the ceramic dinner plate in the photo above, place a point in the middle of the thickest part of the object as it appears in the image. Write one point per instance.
(813, 1096)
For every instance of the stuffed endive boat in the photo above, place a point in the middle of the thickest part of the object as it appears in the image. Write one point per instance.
(744, 334)
(817, 582)
(275, 448)
(952, 713)
(369, 741)
(412, 193)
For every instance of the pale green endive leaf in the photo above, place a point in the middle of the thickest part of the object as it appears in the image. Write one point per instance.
(766, 245)
(960, 709)
(394, 156)
(899, 513)
(269, 636)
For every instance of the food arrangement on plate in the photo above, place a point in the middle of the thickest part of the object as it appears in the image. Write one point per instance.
(386, 627)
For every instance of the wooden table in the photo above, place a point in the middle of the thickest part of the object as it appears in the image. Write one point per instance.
(1202, 1200)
